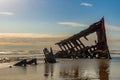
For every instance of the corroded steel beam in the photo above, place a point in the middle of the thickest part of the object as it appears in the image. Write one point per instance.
(60, 47)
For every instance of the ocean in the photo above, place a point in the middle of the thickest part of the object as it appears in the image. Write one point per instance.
(10, 45)
(64, 69)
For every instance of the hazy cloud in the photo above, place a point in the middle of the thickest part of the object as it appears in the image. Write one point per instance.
(111, 27)
(6, 13)
(31, 35)
(73, 24)
(86, 4)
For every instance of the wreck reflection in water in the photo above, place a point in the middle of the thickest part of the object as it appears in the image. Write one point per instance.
(49, 70)
(84, 69)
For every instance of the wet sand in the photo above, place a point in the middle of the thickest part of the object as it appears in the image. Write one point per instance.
(65, 69)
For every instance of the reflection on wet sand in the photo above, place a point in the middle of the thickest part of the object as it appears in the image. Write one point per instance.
(104, 69)
(97, 69)
(49, 68)
(72, 72)
(80, 70)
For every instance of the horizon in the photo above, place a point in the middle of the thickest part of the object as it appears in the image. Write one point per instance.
(31, 38)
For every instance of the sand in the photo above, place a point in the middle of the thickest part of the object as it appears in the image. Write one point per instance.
(64, 69)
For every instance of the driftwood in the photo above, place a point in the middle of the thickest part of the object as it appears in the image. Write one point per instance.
(25, 62)
(49, 57)
(74, 47)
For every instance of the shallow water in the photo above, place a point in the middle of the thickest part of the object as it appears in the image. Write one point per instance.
(65, 69)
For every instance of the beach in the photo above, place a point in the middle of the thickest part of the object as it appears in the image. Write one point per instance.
(13, 50)
(64, 69)
(59, 40)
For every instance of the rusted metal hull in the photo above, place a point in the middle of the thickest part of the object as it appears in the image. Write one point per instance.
(73, 47)
(49, 57)
(25, 62)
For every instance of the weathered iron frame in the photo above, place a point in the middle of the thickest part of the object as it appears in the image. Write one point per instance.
(73, 44)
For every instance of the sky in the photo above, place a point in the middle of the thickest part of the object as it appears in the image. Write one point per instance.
(56, 18)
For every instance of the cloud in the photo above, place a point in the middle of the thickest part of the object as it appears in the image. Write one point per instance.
(111, 27)
(31, 35)
(6, 13)
(86, 4)
(73, 24)
(113, 41)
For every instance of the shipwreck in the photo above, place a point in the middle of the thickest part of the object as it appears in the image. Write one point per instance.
(24, 62)
(49, 56)
(73, 47)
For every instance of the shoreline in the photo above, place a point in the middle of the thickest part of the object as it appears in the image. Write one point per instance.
(85, 69)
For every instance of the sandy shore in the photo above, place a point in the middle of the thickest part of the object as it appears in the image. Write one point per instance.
(80, 69)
